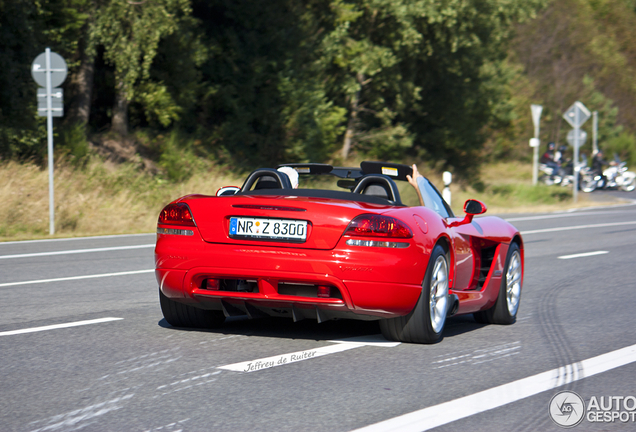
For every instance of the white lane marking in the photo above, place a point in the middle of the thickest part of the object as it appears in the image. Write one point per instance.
(59, 326)
(284, 359)
(77, 251)
(76, 238)
(582, 255)
(447, 412)
(76, 278)
(570, 213)
(578, 227)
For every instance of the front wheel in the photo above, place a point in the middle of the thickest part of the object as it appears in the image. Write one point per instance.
(425, 323)
(181, 315)
(630, 185)
(505, 308)
(587, 183)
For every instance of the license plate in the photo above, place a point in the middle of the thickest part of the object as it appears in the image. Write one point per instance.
(268, 229)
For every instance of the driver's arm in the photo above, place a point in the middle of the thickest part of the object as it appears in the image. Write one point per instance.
(413, 182)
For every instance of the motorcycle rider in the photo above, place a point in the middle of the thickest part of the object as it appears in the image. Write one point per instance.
(598, 163)
(565, 167)
(549, 158)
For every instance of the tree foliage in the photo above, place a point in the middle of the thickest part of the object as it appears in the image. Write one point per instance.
(259, 83)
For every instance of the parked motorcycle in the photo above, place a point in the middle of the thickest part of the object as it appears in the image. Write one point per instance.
(588, 181)
(564, 175)
(550, 174)
(615, 177)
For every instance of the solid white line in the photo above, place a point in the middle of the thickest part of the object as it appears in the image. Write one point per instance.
(568, 228)
(59, 326)
(76, 238)
(76, 278)
(581, 255)
(560, 215)
(447, 412)
(77, 251)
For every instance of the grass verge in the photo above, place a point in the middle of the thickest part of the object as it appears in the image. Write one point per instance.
(101, 199)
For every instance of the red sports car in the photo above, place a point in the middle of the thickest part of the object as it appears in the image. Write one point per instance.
(268, 249)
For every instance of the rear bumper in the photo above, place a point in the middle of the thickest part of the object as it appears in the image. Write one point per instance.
(365, 283)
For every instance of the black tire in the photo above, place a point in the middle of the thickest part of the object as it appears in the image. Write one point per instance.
(629, 186)
(587, 183)
(505, 309)
(425, 323)
(181, 315)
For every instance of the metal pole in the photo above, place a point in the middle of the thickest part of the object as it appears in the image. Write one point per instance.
(575, 163)
(49, 130)
(535, 157)
(595, 132)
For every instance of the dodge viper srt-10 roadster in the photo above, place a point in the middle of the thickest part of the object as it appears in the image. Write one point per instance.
(269, 249)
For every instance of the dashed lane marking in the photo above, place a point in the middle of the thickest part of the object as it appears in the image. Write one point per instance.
(59, 326)
(578, 227)
(77, 251)
(285, 359)
(583, 255)
(70, 278)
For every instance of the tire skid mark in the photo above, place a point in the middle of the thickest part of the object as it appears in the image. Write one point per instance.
(171, 427)
(77, 419)
(560, 347)
(111, 392)
(481, 355)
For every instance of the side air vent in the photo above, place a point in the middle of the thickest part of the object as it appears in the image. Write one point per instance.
(487, 255)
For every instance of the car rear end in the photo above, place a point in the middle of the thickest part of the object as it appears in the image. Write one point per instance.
(292, 256)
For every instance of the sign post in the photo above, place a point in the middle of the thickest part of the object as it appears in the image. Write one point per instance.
(576, 115)
(536, 116)
(594, 132)
(49, 71)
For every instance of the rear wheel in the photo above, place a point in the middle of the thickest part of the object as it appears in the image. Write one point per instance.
(181, 315)
(425, 323)
(505, 309)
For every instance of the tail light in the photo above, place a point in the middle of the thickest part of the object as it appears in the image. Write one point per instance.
(176, 214)
(370, 225)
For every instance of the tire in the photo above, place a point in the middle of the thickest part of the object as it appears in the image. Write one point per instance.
(587, 183)
(629, 186)
(425, 323)
(546, 179)
(181, 315)
(505, 309)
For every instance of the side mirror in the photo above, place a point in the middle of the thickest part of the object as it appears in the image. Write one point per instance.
(474, 207)
(227, 190)
(471, 208)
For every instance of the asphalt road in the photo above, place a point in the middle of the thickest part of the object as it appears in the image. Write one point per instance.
(121, 367)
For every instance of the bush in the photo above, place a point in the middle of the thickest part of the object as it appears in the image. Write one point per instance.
(624, 146)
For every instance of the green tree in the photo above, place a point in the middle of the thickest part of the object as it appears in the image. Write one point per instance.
(20, 43)
(130, 32)
(420, 75)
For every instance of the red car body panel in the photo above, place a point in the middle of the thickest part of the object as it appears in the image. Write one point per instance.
(363, 282)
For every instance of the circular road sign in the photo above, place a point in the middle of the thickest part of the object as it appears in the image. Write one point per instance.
(58, 69)
(571, 136)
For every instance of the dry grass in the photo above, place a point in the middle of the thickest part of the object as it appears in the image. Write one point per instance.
(98, 200)
(107, 199)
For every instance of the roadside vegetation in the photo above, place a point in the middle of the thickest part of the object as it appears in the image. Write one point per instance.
(170, 97)
(105, 198)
